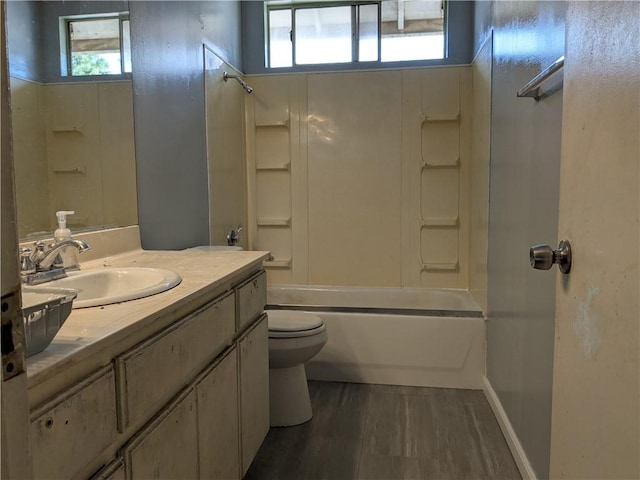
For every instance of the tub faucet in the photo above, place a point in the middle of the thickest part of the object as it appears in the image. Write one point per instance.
(233, 236)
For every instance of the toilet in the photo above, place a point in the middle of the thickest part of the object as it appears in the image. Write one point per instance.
(294, 338)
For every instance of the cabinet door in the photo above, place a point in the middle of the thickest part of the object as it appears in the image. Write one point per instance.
(254, 390)
(113, 471)
(218, 429)
(167, 448)
(74, 428)
(152, 373)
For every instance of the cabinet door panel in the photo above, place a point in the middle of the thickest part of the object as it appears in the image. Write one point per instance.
(254, 390)
(150, 374)
(168, 447)
(75, 427)
(113, 471)
(218, 429)
(251, 298)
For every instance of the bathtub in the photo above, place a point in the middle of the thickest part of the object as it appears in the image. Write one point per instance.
(393, 336)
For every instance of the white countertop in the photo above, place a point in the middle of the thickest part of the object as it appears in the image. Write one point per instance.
(91, 337)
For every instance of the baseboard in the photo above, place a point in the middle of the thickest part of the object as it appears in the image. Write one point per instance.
(517, 451)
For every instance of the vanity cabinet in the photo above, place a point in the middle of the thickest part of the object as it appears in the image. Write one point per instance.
(253, 350)
(188, 401)
(72, 429)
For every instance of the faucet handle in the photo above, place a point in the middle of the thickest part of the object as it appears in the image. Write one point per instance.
(26, 263)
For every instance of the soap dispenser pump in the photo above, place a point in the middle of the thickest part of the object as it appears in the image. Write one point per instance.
(69, 257)
(62, 232)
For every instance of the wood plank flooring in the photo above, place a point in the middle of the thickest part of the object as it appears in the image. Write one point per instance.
(388, 432)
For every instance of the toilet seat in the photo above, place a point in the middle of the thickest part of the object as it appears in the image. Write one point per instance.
(293, 324)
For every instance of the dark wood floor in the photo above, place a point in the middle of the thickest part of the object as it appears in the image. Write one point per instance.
(388, 432)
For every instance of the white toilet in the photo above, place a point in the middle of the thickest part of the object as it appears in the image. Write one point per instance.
(294, 338)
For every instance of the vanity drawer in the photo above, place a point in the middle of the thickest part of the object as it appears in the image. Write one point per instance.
(75, 427)
(153, 372)
(251, 297)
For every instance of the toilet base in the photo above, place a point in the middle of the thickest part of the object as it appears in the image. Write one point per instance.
(289, 396)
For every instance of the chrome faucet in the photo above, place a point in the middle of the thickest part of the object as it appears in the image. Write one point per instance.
(41, 265)
(233, 236)
(45, 260)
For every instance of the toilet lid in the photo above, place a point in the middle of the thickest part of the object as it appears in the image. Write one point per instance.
(292, 321)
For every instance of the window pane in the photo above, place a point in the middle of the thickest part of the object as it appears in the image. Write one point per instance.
(323, 35)
(126, 45)
(95, 47)
(280, 47)
(412, 30)
(368, 28)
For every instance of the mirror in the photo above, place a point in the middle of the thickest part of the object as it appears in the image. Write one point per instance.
(73, 137)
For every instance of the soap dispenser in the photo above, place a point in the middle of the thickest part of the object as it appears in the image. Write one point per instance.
(69, 257)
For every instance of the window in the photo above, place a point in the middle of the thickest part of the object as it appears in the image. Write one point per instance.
(97, 45)
(358, 31)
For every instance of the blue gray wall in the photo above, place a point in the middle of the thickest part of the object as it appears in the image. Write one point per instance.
(524, 176)
(25, 40)
(169, 112)
(460, 25)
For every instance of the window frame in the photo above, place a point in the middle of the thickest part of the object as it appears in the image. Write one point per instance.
(292, 5)
(65, 30)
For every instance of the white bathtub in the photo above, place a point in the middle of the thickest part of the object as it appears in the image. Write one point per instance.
(395, 336)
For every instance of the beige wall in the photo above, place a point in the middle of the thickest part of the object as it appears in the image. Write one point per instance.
(362, 178)
(225, 149)
(479, 193)
(74, 151)
(595, 431)
(30, 146)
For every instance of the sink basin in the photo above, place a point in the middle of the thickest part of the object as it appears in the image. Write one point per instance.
(104, 286)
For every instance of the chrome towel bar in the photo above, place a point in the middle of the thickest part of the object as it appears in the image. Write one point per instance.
(531, 89)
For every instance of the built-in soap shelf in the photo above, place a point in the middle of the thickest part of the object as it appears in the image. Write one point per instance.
(440, 222)
(271, 137)
(274, 222)
(67, 129)
(426, 165)
(74, 169)
(273, 168)
(441, 118)
(277, 263)
(275, 123)
(440, 267)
